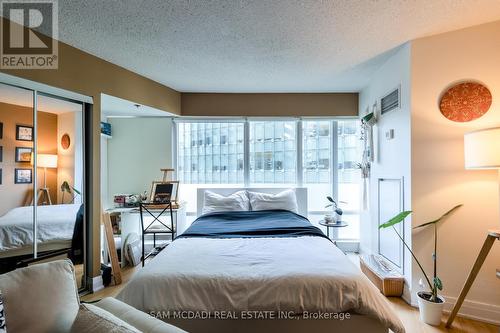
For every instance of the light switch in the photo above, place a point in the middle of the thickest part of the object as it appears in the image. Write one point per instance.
(389, 135)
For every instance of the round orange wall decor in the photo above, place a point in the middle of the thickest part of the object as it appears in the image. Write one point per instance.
(65, 141)
(465, 102)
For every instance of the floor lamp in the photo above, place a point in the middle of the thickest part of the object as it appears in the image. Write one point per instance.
(45, 161)
(482, 151)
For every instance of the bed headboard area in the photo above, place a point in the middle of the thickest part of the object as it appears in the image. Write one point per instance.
(300, 192)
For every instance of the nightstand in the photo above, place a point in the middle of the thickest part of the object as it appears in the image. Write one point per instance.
(334, 225)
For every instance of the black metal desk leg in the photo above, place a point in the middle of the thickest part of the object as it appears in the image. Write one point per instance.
(142, 238)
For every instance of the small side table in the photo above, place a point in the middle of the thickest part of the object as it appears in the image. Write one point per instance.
(335, 232)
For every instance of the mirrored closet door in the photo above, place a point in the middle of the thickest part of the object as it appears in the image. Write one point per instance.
(42, 213)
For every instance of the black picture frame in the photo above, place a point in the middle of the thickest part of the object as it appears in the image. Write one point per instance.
(23, 136)
(18, 154)
(23, 176)
(1, 130)
(0, 176)
(1, 153)
(164, 191)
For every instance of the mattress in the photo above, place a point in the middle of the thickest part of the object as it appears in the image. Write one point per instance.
(214, 274)
(54, 229)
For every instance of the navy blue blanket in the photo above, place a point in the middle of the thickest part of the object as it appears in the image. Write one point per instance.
(253, 224)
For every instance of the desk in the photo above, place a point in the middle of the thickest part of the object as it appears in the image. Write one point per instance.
(131, 223)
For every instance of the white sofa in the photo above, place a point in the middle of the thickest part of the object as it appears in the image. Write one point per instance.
(44, 298)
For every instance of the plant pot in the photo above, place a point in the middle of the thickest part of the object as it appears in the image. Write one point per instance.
(338, 217)
(430, 312)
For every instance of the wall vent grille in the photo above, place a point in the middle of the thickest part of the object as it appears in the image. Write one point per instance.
(390, 102)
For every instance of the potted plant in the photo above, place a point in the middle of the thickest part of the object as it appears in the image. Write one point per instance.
(430, 303)
(337, 211)
(67, 188)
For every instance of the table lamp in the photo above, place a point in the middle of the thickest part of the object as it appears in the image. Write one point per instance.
(46, 161)
(482, 151)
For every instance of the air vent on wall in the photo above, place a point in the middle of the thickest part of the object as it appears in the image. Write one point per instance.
(390, 102)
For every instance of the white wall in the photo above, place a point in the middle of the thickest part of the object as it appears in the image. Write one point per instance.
(138, 149)
(70, 161)
(392, 156)
(106, 203)
(439, 180)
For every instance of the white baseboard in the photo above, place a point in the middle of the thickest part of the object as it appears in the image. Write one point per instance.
(97, 284)
(488, 313)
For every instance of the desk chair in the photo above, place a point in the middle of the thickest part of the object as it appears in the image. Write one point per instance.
(151, 209)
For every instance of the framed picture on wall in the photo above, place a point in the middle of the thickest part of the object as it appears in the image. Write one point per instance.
(23, 154)
(23, 176)
(1, 130)
(24, 133)
(1, 153)
(0, 176)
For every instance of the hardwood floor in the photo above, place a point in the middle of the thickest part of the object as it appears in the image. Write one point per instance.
(408, 315)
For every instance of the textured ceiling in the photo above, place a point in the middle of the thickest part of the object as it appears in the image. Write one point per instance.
(261, 45)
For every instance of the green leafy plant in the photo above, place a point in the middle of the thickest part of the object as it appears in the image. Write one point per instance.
(333, 204)
(369, 119)
(436, 283)
(67, 188)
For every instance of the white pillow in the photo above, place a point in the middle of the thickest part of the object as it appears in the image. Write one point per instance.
(213, 202)
(284, 200)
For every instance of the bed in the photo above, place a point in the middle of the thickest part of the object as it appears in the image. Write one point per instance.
(266, 271)
(56, 225)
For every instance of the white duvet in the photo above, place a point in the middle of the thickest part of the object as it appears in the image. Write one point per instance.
(274, 274)
(55, 224)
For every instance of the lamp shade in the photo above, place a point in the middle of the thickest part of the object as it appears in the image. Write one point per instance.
(482, 149)
(46, 161)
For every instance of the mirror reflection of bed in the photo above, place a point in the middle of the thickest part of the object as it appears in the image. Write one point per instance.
(59, 175)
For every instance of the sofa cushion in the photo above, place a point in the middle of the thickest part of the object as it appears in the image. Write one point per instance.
(92, 319)
(140, 320)
(40, 298)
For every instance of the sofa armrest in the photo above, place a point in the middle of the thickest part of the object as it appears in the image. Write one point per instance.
(136, 318)
(41, 297)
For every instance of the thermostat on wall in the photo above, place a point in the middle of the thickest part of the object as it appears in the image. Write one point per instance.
(389, 135)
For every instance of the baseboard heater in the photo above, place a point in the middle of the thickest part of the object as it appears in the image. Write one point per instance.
(382, 275)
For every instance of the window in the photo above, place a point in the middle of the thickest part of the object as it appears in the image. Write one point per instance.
(273, 152)
(322, 155)
(208, 153)
(317, 160)
(349, 175)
